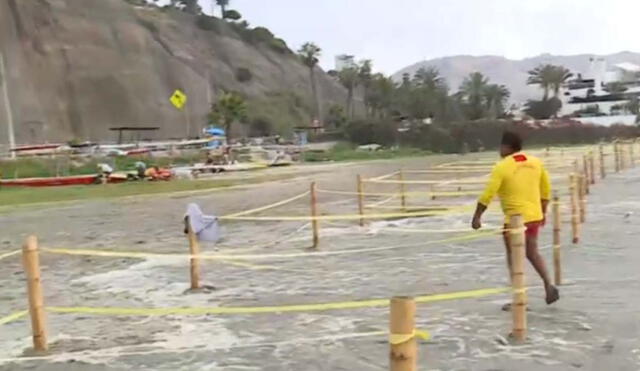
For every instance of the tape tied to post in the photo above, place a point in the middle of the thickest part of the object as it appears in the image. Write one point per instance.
(396, 339)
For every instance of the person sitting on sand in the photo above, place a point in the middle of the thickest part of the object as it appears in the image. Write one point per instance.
(522, 184)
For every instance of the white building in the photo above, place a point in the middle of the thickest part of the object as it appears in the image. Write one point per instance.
(587, 95)
(345, 61)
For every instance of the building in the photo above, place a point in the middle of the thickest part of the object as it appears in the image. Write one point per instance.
(345, 61)
(601, 94)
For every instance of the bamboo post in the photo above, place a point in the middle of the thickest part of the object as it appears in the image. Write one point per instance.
(360, 188)
(582, 189)
(557, 224)
(403, 198)
(403, 356)
(575, 224)
(314, 215)
(592, 169)
(519, 304)
(603, 173)
(585, 172)
(616, 155)
(31, 263)
(194, 250)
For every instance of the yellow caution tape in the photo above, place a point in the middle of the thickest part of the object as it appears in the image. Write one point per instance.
(143, 255)
(436, 182)
(358, 304)
(270, 206)
(3, 256)
(13, 317)
(345, 216)
(396, 339)
(397, 194)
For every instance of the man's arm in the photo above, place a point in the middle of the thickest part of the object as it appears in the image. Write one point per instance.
(485, 199)
(545, 193)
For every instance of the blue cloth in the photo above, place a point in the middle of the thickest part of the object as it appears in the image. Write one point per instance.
(204, 226)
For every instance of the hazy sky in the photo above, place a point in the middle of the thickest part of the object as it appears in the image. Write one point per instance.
(397, 33)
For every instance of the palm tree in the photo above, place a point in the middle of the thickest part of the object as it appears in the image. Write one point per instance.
(349, 79)
(542, 76)
(550, 78)
(429, 78)
(380, 95)
(496, 97)
(364, 79)
(223, 6)
(559, 76)
(309, 53)
(229, 108)
(473, 93)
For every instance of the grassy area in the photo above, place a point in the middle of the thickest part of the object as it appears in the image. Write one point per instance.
(347, 152)
(10, 196)
(65, 166)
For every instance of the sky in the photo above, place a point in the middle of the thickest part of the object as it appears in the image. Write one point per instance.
(398, 33)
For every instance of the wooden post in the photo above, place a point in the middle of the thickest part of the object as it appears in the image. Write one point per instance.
(194, 250)
(557, 224)
(360, 188)
(31, 263)
(592, 168)
(403, 198)
(403, 356)
(582, 205)
(519, 304)
(575, 221)
(603, 173)
(314, 214)
(616, 155)
(585, 172)
(632, 160)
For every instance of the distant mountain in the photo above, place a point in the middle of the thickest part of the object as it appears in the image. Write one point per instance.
(512, 73)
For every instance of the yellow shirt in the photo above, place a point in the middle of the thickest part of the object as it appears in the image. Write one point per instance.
(521, 182)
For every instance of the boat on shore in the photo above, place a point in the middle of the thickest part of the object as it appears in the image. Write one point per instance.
(61, 181)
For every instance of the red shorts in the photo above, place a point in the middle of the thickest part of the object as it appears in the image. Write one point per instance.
(532, 228)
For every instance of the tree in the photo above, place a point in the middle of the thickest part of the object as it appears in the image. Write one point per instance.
(364, 79)
(349, 79)
(559, 76)
(309, 54)
(230, 108)
(543, 109)
(472, 92)
(541, 76)
(233, 15)
(429, 78)
(496, 97)
(223, 6)
(380, 95)
(550, 78)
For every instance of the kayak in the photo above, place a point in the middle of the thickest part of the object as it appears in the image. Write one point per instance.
(60, 181)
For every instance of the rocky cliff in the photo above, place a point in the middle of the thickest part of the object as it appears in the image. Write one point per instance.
(78, 67)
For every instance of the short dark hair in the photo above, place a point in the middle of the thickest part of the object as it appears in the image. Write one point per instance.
(512, 140)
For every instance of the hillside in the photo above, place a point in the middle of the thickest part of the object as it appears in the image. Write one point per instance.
(78, 67)
(512, 73)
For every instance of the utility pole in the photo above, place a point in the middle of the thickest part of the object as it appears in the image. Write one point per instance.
(4, 80)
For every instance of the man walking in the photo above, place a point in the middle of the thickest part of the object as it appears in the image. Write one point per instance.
(522, 184)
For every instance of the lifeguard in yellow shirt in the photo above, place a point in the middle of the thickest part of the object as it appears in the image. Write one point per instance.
(522, 184)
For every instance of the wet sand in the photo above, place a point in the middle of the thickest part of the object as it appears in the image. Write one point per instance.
(595, 326)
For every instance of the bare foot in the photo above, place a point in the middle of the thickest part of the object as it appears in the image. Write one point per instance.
(553, 295)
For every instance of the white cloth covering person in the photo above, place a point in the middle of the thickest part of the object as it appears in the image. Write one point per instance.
(204, 226)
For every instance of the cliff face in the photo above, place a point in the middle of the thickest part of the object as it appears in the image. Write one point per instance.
(77, 67)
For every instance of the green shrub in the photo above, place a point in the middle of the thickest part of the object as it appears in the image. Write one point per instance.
(233, 15)
(280, 46)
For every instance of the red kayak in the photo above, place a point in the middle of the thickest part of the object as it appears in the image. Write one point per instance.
(59, 181)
